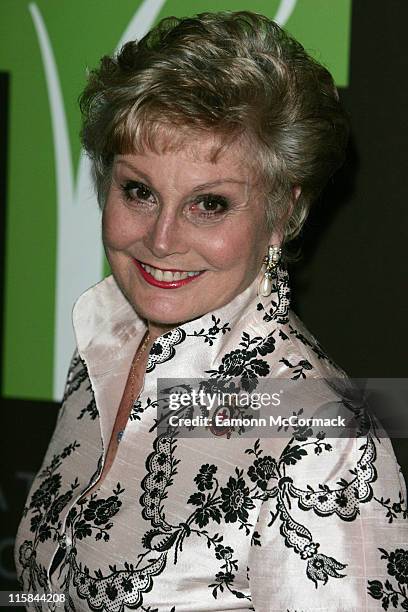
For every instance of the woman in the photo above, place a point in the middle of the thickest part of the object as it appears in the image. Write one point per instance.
(210, 138)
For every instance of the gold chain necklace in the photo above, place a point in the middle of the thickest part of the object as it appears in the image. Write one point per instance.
(138, 355)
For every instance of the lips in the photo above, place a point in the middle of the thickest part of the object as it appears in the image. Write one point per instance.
(166, 279)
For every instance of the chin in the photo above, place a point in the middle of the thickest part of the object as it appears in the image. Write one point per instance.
(162, 318)
(164, 310)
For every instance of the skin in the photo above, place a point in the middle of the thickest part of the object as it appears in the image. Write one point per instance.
(166, 209)
(168, 227)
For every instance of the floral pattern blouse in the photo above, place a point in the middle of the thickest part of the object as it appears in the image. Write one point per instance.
(223, 522)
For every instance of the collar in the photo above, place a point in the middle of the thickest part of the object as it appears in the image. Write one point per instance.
(108, 332)
(107, 327)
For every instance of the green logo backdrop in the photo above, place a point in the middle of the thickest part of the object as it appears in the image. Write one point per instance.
(53, 249)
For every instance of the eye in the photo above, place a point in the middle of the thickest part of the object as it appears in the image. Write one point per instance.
(134, 190)
(210, 205)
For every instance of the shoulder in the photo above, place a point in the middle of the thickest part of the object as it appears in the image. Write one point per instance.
(298, 348)
(78, 397)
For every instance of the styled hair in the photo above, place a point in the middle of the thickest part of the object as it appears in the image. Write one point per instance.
(236, 75)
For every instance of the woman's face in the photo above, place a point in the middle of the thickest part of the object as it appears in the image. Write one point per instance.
(183, 235)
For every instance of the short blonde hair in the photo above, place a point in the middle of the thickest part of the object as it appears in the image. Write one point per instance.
(237, 75)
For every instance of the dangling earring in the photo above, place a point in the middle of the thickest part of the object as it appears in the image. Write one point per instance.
(270, 261)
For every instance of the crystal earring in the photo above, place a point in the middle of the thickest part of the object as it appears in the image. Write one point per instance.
(270, 262)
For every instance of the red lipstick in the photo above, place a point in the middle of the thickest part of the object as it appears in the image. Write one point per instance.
(164, 284)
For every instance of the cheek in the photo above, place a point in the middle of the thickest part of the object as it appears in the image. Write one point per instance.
(118, 231)
(237, 247)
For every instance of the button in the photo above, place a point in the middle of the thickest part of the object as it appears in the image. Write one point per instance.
(65, 541)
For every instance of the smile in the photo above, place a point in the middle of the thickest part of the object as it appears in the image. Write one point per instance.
(165, 279)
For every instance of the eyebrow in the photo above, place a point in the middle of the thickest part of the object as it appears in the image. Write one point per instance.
(208, 185)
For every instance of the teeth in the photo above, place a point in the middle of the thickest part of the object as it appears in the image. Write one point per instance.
(166, 275)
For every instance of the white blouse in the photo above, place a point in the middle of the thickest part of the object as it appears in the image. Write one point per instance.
(220, 519)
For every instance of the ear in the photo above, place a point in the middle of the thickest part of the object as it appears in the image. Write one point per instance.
(277, 234)
(296, 191)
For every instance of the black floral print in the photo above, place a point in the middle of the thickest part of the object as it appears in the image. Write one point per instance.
(77, 373)
(212, 332)
(138, 409)
(224, 504)
(346, 499)
(58, 506)
(394, 508)
(211, 504)
(45, 506)
(312, 343)
(90, 409)
(244, 363)
(204, 478)
(223, 552)
(42, 497)
(392, 592)
(262, 470)
(298, 368)
(101, 510)
(234, 363)
(320, 567)
(235, 499)
(398, 565)
(163, 348)
(298, 537)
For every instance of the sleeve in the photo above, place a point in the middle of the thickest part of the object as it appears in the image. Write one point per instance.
(333, 530)
(76, 375)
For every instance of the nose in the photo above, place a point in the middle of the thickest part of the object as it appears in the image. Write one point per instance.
(165, 236)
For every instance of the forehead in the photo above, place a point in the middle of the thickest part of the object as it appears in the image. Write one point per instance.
(190, 152)
(162, 136)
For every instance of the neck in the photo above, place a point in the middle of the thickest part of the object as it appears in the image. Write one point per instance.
(157, 329)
